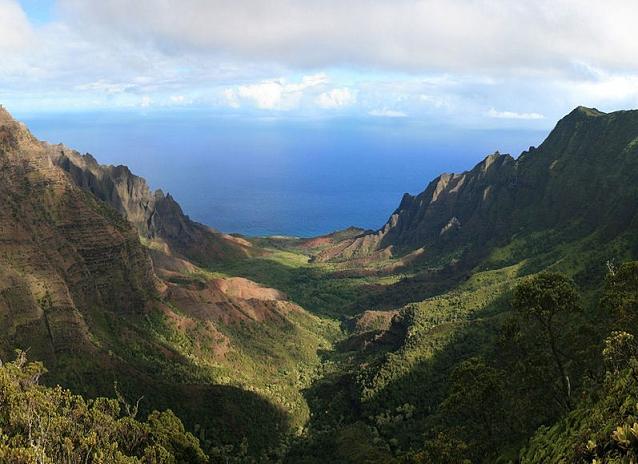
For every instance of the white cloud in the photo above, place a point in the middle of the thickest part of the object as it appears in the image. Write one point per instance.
(179, 100)
(429, 59)
(606, 87)
(275, 94)
(15, 30)
(437, 101)
(391, 34)
(230, 96)
(386, 113)
(336, 98)
(266, 95)
(103, 86)
(146, 101)
(492, 113)
(310, 81)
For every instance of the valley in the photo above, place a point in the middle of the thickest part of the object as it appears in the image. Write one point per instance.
(400, 345)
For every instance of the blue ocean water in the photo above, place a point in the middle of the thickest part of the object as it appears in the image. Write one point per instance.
(274, 176)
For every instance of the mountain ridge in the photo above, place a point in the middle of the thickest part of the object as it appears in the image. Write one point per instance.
(155, 215)
(106, 280)
(100, 278)
(500, 195)
(61, 249)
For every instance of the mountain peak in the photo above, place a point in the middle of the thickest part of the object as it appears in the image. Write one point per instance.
(581, 111)
(5, 115)
(5, 118)
(12, 132)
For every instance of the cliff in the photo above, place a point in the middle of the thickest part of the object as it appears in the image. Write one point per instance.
(582, 177)
(63, 254)
(155, 215)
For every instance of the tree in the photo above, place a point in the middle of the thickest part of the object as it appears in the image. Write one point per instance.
(621, 294)
(603, 427)
(620, 349)
(476, 401)
(546, 298)
(443, 448)
(41, 425)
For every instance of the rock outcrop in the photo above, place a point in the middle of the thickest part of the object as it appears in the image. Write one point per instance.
(71, 256)
(155, 215)
(63, 254)
(582, 177)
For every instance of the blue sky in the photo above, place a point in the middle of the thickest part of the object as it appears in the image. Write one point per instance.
(38, 11)
(466, 63)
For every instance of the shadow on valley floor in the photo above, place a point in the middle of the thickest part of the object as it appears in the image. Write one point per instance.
(219, 415)
(389, 401)
(423, 285)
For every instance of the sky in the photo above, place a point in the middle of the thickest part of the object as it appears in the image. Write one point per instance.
(465, 63)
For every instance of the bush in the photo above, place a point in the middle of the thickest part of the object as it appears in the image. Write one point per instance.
(40, 425)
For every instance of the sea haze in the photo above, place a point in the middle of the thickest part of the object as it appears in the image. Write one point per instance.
(276, 176)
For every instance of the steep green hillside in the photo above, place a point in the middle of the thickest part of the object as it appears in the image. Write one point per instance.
(490, 320)
(413, 390)
(582, 177)
(80, 291)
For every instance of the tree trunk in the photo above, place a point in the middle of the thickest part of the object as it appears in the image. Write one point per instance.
(561, 369)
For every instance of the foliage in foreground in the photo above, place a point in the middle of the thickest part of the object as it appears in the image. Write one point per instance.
(41, 425)
(603, 428)
(548, 359)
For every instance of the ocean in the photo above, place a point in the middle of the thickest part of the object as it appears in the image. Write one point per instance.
(276, 176)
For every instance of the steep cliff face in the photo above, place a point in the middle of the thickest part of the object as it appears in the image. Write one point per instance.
(70, 250)
(581, 177)
(80, 291)
(154, 214)
(63, 254)
(452, 208)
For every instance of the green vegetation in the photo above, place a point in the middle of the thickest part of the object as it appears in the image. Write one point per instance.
(175, 361)
(40, 425)
(603, 428)
(492, 379)
(322, 288)
(505, 335)
(523, 346)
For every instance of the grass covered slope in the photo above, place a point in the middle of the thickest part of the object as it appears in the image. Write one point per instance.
(469, 329)
(79, 290)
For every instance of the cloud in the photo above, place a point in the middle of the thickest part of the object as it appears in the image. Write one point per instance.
(492, 113)
(433, 60)
(386, 113)
(15, 30)
(546, 35)
(336, 98)
(275, 94)
(612, 88)
(266, 95)
(311, 81)
(179, 100)
(230, 96)
(436, 101)
(105, 87)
